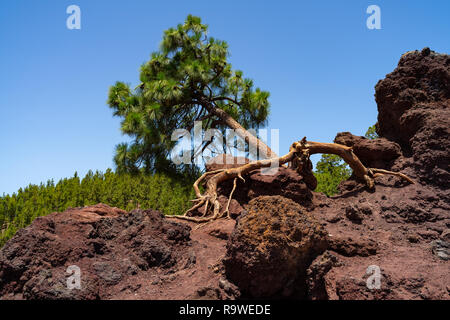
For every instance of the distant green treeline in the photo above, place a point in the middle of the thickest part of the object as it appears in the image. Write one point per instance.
(158, 191)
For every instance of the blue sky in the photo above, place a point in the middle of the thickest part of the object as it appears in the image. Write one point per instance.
(317, 58)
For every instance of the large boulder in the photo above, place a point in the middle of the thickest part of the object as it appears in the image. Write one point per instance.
(108, 245)
(271, 248)
(376, 153)
(414, 111)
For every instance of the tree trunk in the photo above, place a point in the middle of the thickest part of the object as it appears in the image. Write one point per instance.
(263, 150)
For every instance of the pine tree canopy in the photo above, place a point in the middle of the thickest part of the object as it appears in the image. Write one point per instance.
(189, 79)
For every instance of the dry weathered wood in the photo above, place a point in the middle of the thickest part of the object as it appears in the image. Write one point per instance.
(299, 154)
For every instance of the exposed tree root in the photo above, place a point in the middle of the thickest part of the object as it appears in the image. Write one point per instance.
(227, 209)
(298, 157)
(379, 172)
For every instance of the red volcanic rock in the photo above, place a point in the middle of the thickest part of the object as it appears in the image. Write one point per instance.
(414, 111)
(282, 181)
(225, 161)
(376, 153)
(271, 247)
(399, 229)
(277, 181)
(136, 255)
(420, 78)
(315, 275)
(288, 242)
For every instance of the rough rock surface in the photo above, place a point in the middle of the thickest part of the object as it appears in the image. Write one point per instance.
(136, 255)
(414, 111)
(399, 229)
(285, 182)
(377, 153)
(288, 242)
(271, 247)
(402, 229)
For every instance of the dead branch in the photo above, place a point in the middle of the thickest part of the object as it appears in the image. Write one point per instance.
(298, 157)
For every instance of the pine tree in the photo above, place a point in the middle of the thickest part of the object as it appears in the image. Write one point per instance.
(189, 79)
